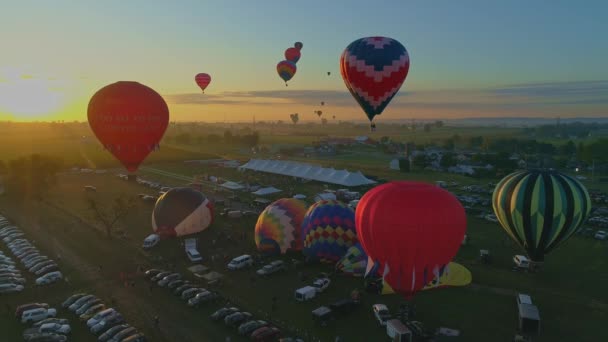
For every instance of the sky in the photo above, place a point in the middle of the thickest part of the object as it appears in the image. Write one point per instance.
(469, 58)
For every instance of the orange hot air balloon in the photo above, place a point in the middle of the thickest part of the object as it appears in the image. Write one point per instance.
(129, 119)
(202, 80)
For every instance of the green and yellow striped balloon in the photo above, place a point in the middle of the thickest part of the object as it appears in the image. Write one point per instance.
(540, 209)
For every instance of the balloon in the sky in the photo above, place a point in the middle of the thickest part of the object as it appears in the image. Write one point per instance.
(202, 80)
(295, 117)
(322, 103)
(334, 117)
(328, 230)
(292, 55)
(181, 211)
(373, 69)
(412, 229)
(328, 73)
(319, 113)
(298, 45)
(286, 70)
(129, 119)
(540, 209)
(354, 262)
(279, 226)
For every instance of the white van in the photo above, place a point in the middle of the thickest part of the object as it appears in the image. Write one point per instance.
(305, 293)
(151, 241)
(240, 262)
(521, 261)
(397, 331)
(38, 314)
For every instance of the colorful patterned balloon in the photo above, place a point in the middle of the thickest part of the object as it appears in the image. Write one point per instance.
(328, 230)
(279, 225)
(286, 70)
(202, 80)
(373, 69)
(292, 55)
(540, 209)
(354, 262)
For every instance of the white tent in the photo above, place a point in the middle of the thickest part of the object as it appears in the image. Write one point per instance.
(266, 191)
(307, 171)
(299, 196)
(232, 186)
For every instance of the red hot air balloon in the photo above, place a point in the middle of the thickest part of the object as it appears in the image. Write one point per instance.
(129, 119)
(202, 80)
(412, 230)
(292, 55)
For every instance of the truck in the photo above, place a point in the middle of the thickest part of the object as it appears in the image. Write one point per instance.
(191, 251)
(397, 331)
(305, 293)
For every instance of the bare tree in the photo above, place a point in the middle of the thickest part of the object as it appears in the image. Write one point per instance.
(110, 214)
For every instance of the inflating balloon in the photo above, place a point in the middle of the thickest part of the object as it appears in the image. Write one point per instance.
(129, 119)
(181, 211)
(202, 80)
(279, 226)
(540, 209)
(298, 45)
(353, 262)
(412, 230)
(292, 55)
(373, 69)
(286, 70)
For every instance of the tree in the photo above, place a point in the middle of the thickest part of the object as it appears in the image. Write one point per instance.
(31, 176)
(447, 160)
(438, 123)
(427, 127)
(183, 138)
(109, 215)
(404, 165)
(227, 136)
(476, 142)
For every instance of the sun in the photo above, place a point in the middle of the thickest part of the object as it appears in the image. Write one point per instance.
(27, 97)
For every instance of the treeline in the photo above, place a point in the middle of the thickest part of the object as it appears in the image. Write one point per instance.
(228, 138)
(574, 129)
(31, 176)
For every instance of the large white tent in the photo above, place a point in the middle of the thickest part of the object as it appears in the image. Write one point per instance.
(307, 171)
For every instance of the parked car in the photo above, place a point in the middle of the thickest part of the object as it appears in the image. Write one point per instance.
(249, 327)
(223, 312)
(35, 315)
(86, 306)
(71, 299)
(47, 337)
(33, 261)
(321, 284)
(30, 306)
(38, 266)
(273, 267)
(80, 301)
(124, 333)
(46, 269)
(381, 313)
(601, 235)
(240, 262)
(12, 279)
(175, 283)
(10, 288)
(135, 338)
(107, 323)
(100, 316)
(169, 278)
(264, 334)
(160, 276)
(189, 293)
(180, 289)
(51, 320)
(202, 297)
(110, 333)
(56, 328)
(48, 278)
(237, 318)
(153, 272)
(151, 241)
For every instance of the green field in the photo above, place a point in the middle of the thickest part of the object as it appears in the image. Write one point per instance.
(569, 291)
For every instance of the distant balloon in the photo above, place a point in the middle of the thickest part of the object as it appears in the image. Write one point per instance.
(322, 103)
(373, 69)
(202, 80)
(292, 55)
(295, 117)
(334, 117)
(129, 119)
(298, 45)
(328, 73)
(319, 113)
(540, 209)
(286, 70)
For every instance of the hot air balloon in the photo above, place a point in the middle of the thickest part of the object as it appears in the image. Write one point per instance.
(319, 113)
(328, 73)
(540, 209)
(322, 103)
(202, 80)
(334, 117)
(328, 230)
(353, 262)
(286, 70)
(294, 118)
(129, 119)
(373, 69)
(292, 55)
(298, 45)
(279, 225)
(181, 211)
(412, 230)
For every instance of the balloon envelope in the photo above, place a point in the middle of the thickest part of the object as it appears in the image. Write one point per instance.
(286, 70)
(298, 45)
(292, 55)
(181, 211)
(328, 230)
(540, 209)
(202, 80)
(353, 262)
(129, 119)
(280, 222)
(412, 229)
(373, 69)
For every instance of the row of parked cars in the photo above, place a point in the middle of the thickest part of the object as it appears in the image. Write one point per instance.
(192, 293)
(106, 323)
(41, 266)
(246, 325)
(45, 325)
